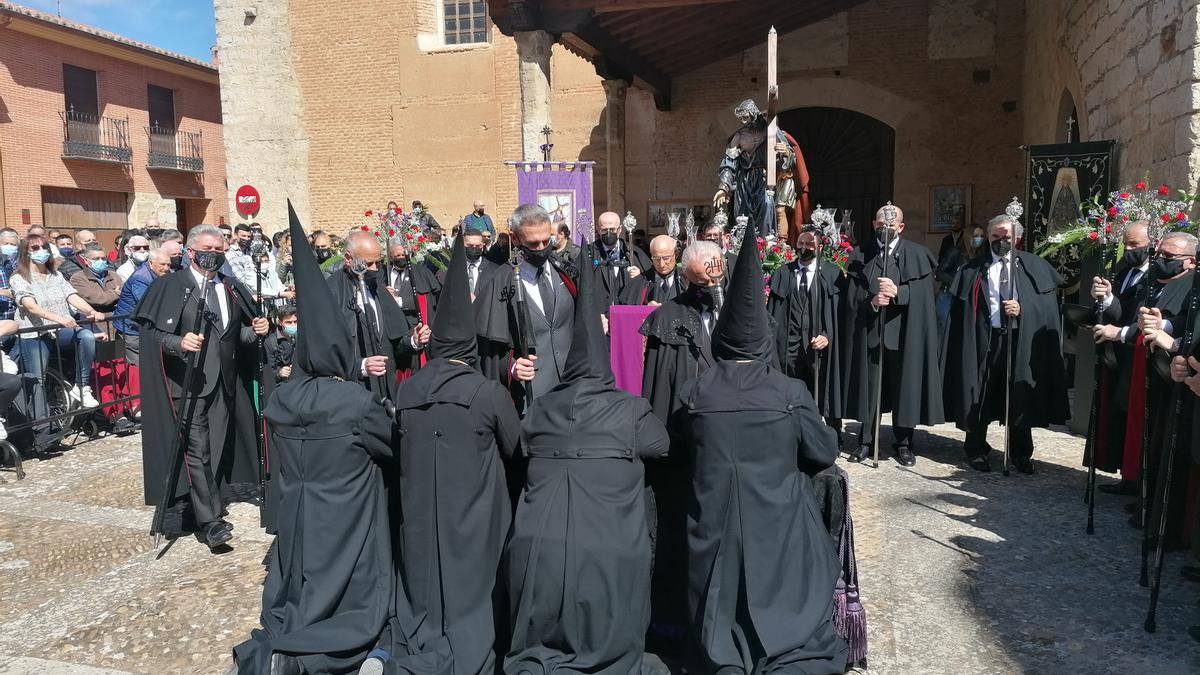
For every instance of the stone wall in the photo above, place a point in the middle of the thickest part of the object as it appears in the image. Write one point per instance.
(1130, 68)
(947, 80)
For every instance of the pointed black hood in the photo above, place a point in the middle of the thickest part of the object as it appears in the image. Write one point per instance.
(742, 332)
(453, 329)
(324, 347)
(589, 345)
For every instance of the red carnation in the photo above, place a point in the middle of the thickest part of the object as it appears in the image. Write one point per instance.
(369, 213)
(1163, 190)
(364, 228)
(1181, 216)
(1125, 218)
(398, 210)
(1093, 236)
(1108, 229)
(1124, 195)
(1112, 212)
(391, 233)
(376, 233)
(1139, 186)
(421, 239)
(409, 236)
(1165, 218)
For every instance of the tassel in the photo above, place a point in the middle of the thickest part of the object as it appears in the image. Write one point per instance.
(855, 632)
(839, 608)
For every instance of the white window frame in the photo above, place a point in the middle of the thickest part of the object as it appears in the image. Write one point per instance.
(435, 41)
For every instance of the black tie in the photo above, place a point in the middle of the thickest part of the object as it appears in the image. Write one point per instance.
(804, 280)
(547, 292)
(1005, 288)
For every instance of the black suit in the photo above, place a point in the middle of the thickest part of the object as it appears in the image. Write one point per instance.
(385, 327)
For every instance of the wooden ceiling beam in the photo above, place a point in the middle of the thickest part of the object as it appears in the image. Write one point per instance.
(617, 56)
(609, 6)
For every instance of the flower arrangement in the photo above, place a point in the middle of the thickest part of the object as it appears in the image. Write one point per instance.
(839, 253)
(775, 253)
(1100, 227)
(387, 223)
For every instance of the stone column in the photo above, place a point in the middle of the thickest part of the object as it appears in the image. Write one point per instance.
(533, 67)
(614, 137)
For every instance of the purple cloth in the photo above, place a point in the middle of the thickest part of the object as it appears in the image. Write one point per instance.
(627, 347)
(564, 189)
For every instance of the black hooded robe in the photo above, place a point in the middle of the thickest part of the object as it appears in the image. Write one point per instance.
(1038, 384)
(163, 307)
(762, 567)
(792, 345)
(455, 424)
(910, 337)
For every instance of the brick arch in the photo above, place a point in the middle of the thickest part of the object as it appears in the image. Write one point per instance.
(829, 92)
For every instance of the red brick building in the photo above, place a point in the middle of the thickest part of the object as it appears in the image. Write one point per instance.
(102, 132)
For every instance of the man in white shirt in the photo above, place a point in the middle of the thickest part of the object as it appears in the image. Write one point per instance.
(137, 252)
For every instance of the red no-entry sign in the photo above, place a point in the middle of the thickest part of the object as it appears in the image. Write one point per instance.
(247, 200)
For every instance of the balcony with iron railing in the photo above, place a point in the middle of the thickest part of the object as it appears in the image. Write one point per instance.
(96, 138)
(175, 150)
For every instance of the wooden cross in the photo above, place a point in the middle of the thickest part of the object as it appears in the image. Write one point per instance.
(772, 107)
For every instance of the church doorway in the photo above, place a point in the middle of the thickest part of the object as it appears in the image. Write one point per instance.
(850, 158)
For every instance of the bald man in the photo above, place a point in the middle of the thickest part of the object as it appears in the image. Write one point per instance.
(660, 285)
(892, 278)
(617, 260)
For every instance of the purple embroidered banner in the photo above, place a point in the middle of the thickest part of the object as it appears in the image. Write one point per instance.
(564, 189)
(627, 347)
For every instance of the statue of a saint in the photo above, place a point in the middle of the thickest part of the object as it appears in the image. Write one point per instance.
(743, 171)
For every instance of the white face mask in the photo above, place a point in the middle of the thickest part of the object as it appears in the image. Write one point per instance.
(140, 256)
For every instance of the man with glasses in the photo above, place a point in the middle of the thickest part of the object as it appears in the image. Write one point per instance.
(663, 284)
(137, 252)
(616, 259)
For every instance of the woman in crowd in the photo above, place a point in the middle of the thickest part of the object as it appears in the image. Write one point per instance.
(45, 298)
(954, 258)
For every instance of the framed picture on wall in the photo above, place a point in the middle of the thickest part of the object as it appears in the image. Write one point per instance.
(949, 204)
(657, 213)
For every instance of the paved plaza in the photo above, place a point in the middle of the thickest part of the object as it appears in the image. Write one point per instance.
(961, 572)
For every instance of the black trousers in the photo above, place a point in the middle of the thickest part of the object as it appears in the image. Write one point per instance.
(992, 406)
(206, 440)
(10, 387)
(892, 372)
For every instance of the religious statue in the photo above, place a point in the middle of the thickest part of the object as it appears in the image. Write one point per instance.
(743, 172)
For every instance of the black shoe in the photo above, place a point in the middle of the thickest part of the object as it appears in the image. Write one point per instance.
(905, 456)
(980, 463)
(1124, 487)
(124, 426)
(1135, 522)
(217, 534)
(1025, 466)
(285, 664)
(1191, 573)
(1131, 508)
(860, 454)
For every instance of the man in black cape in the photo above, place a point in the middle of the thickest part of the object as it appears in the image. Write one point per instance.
(328, 591)
(912, 383)
(543, 321)
(1120, 300)
(578, 561)
(806, 310)
(661, 285)
(761, 565)
(1004, 295)
(455, 425)
(415, 289)
(219, 418)
(617, 261)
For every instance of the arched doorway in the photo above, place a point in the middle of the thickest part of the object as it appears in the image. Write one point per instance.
(850, 158)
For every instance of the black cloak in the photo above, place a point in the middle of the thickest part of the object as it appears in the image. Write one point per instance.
(328, 590)
(1038, 384)
(910, 329)
(795, 356)
(610, 286)
(644, 289)
(677, 350)
(168, 306)
(761, 565)
(454, 426)
(578, 561)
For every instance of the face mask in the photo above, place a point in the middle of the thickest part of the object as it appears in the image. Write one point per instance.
(704, 294)
(8, 250)
(177, 262)
(66, 251)
(536, 258)
(291, 331)
(1136, 257)
(479, 212)
(369, 277)
(209, 261)
(474, 252)
(806, 255)
(1001, 247)
(40, 257)
(323, 254)
(140, 256)
(244, 244)
(400, 263)
(98, 266)
(977, 242)
(885, 235)
(608, 238)
(1166, 268)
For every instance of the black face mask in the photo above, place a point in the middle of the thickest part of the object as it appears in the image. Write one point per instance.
(209, 261)
(608, 238)
(323, 254)
(244, 244)
(806, 255)
(400, 263)
(885, 236)
(474, 252)
(176, 262)
(370, 278)
(536, 258)
(1001, 247)
(1166, 268)
(704, 294)
(1136, 257)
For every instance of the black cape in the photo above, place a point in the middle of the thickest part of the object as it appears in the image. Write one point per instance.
(677, 350)
(910, 330)
(762, 567)
(394, 328)
(163, 306)
(455, 424)
(578, 561)
(1038, 384)
(611, 286)
(328, 591)
(426, 285)
(644, 289)
(795, 356)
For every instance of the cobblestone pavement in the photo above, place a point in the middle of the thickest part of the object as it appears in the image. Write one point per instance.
(961, 572)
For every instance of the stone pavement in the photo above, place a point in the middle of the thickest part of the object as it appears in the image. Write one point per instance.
(961, 572)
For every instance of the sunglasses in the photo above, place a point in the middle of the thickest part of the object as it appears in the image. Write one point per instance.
(140, 248)
(38, 247)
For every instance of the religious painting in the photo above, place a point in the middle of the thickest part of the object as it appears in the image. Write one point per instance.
(560, 204)
(1064, 201)
(658, 212)
(949, 205)
(564, 189)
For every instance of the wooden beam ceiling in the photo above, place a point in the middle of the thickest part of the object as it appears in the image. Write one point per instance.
(609, 6)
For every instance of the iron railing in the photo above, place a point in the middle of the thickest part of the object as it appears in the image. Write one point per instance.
(175, 150)
(97, 138)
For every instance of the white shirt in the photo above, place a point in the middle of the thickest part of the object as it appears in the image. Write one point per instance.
(994, 290)
(529, 280)
(1135, 275)
(473, 273)
(127, 268)
(211, 289)
(811, 275)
